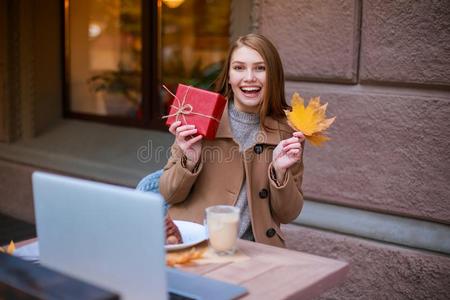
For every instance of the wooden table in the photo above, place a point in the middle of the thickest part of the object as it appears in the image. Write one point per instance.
(273, 273)
(276, 273)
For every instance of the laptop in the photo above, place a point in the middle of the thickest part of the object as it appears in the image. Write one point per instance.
(112, 237)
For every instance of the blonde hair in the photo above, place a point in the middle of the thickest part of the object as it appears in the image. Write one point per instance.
(274, 101)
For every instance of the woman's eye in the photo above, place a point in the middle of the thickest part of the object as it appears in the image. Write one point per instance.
(238, 68)
(261, 68)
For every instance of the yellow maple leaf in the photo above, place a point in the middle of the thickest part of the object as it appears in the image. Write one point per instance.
(317, 139)
(10, 250)
(310, 120)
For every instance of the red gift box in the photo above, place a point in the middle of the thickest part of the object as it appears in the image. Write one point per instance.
(197, 107)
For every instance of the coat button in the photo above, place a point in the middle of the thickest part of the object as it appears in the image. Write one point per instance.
(258, 149)
(270, 232)
(263, 193)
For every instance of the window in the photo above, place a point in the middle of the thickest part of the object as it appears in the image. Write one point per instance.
(118, 52)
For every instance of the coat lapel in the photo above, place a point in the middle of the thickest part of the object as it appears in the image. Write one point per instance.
(271, 135)
(224, 130)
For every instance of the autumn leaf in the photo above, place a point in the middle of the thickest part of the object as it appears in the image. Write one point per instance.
(184, 257)
(317, 139)
(10, 249)
(310, 120)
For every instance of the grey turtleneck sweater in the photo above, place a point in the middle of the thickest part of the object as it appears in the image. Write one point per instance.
(245, 127)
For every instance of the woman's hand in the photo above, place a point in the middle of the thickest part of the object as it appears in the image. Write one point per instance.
(191, 146)
(287, 153)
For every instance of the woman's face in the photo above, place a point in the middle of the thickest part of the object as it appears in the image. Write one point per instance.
(247, 77)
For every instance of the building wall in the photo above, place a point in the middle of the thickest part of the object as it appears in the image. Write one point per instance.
(16, 191)
(377, 270)
(384, 68)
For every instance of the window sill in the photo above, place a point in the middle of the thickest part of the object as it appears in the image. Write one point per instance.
(101, 152)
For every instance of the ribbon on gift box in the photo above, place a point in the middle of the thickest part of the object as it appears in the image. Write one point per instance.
(184, 109)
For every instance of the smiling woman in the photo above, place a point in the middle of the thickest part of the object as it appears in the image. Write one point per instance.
(263, 57)
(263, 169)
(247, 79)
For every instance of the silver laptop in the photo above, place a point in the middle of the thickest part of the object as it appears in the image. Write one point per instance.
(113, 237)
(108, 235)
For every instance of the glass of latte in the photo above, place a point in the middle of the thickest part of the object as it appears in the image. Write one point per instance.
(222, 222)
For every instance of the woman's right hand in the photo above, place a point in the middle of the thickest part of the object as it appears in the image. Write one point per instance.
(191, 146)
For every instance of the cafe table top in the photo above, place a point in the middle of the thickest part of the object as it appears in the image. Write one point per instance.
(269, 272)
(276, 273)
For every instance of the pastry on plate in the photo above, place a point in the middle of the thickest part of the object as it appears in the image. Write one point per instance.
(173, 235)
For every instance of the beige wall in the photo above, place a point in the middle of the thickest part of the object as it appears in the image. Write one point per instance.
(384, 68)
(317, 40)
(392, 134)
(377, 270)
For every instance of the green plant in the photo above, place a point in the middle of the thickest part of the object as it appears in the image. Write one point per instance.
(127, 83)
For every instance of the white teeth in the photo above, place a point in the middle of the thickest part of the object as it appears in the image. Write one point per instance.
(250, 89)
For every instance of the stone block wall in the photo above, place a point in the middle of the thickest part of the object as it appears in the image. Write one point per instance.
(295, 27)
(384, 68)
(389, 151)
(16, 193)
(377, 270)
(406, 42)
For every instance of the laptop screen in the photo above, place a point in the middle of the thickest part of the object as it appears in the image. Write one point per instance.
(107, 235)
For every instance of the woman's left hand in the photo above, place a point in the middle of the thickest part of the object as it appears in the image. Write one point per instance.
(287, 153)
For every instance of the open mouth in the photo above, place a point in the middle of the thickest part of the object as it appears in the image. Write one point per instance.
(251, 91)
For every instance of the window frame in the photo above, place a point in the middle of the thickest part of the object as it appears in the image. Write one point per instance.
(150, 77)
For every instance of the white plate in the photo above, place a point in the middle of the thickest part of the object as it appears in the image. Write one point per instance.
(192, 234)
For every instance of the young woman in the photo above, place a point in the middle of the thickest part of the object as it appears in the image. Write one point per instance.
(255, 161)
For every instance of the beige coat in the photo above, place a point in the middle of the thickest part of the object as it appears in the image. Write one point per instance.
(219, 176)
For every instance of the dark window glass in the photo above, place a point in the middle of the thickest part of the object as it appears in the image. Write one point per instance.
(110, 72)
